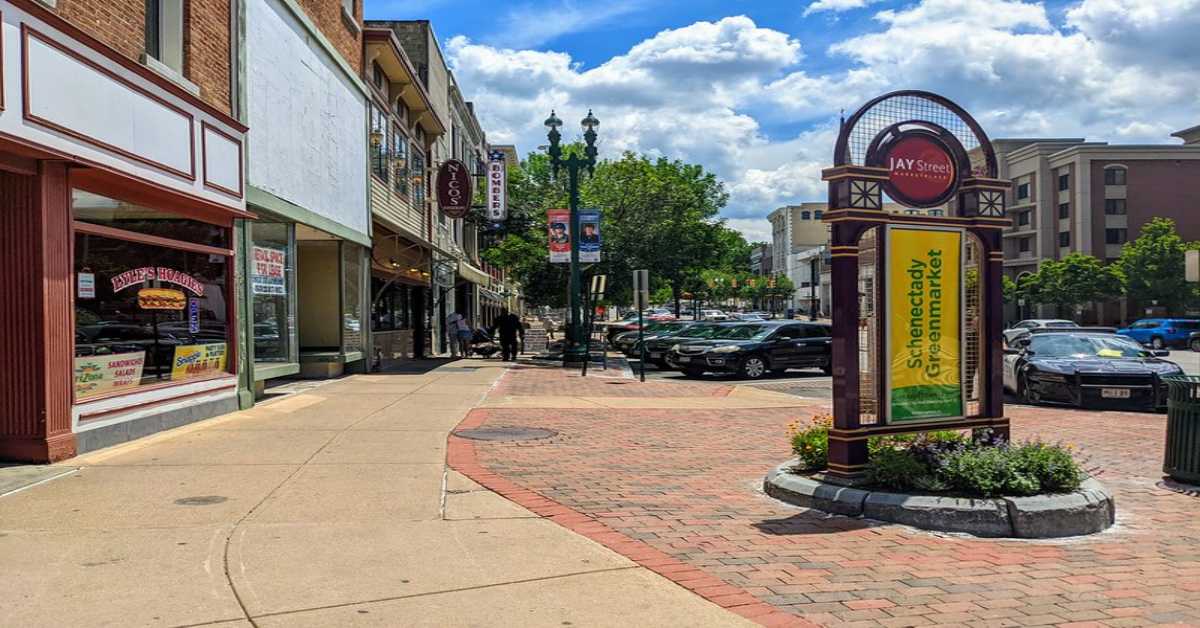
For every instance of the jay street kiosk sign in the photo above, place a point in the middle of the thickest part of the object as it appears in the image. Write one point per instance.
(916, 296)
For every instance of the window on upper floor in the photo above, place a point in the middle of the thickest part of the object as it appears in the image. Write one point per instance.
(1064, 238)
(378, 77)
(1114, 176)
(1116, 236)
(817, 214)
(164, 33)
(1022, 191)
(379, 143)
(1064, 210)
(1064, 181)
(1114, 206)
(1023, 244)
(805, 215)
(400, 161)
(417, 176)
(1023, 218)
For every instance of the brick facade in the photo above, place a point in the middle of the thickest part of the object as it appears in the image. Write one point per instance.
(121, 24)
(327, 15)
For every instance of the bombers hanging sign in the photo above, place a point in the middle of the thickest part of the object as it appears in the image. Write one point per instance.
(921, 170)
(924, 284)
(454, 189)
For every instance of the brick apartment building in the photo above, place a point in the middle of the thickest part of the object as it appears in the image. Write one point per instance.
(1071, 195)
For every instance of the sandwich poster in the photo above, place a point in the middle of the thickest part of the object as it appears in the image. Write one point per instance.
(194, 360)
(98, 374)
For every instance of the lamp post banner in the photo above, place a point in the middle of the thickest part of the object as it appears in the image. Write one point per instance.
(924, 288)
(589, 235)
(497, 182)
(558, 222)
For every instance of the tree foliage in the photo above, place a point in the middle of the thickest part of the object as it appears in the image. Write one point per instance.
(1070, 282)
(658, 214)
(1152, 267)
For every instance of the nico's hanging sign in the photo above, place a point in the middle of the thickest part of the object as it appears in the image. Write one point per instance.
(921, 170)
(497, 182)
(924, 284)
(454, 189)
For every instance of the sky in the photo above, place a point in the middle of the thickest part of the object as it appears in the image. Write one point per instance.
(753, 89)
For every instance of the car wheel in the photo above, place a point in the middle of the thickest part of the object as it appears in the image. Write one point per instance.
(693, 372)
(827, 368)
(1157, 343)
(1023, 392)
(753, 367)
(1195, 344)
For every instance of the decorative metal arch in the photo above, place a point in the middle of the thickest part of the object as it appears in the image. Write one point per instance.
(910, 107)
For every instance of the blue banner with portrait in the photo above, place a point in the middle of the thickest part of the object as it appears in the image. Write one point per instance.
(589, 235)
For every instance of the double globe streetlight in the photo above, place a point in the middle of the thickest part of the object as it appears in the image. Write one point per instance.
(574, 351)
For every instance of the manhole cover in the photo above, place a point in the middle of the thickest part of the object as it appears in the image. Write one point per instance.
(506, 433)
(200, 500)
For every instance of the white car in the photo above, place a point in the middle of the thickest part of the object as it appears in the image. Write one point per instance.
(713, 315)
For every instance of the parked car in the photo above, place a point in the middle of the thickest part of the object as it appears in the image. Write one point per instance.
(713, 315)
(751, 350)
(1086, 367)
(748, 317)
(1160, 333)
(657, 348)
(626, 342)
(1035, 323)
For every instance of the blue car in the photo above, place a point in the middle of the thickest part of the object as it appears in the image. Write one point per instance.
(1161, 333)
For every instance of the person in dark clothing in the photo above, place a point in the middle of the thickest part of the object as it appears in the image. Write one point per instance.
(509, 327)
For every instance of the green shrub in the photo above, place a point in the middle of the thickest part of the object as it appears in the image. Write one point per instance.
(896, 469)
(1056, 471)
(811, 445)
(983, 471)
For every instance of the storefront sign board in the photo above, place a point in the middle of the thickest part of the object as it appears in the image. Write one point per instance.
(924, 288)
(86, 285)
(558, 222)
(497, 177)
(267, 274)
(98, 374)
(151, 273)
(193, 360)
(454, 189)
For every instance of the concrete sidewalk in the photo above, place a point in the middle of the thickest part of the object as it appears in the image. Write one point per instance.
(330, 507)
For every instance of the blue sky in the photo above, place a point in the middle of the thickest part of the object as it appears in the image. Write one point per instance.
(752, 89)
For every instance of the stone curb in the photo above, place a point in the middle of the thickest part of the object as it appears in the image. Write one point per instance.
(1088, 510)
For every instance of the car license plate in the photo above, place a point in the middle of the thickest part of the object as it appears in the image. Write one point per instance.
(655, 356)
(1114, 393)
(683, 359)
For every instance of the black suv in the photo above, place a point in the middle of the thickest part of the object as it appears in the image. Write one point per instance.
(753, 349)
(658, 346)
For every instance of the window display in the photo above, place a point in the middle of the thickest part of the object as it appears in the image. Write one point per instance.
(270, 285)
(146, 313)
(352, 280)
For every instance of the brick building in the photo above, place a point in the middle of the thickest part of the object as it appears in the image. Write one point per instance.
(1071, 195)
(122, 177)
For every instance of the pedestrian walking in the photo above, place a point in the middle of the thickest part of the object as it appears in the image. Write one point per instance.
(459, 331)
(548, 325)
(509, 326)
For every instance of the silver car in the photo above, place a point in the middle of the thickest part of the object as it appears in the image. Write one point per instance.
(1011, 333)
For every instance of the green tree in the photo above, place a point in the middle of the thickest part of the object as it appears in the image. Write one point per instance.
(1071, 282)
(1008, 288)
(1153, 267)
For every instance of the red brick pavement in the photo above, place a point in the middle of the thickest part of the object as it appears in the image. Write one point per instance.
(531, 381)
(685, 485)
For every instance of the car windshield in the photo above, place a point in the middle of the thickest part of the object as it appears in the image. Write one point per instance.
(699, 331)
(743, 332)
(1076, 346)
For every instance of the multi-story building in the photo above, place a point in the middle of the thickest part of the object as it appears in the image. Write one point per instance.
(121, 173)
(1071, 195)
(300, 87)
(761, 259)
(402, 127)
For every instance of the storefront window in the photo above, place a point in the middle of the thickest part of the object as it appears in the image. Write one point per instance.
(392, 310)
(146, 314)
(108, 212)
(271, 267)
(352, 280)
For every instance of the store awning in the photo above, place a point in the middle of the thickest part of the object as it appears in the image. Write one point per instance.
(472, 274)
(491, 294)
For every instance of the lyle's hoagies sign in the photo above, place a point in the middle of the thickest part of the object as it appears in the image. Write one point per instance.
(160, 273)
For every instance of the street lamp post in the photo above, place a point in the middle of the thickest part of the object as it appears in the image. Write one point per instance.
(574, 350)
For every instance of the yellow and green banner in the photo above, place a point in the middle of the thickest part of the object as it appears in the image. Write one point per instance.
(924, 286)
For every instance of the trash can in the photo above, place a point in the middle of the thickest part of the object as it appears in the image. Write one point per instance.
(1181, 458)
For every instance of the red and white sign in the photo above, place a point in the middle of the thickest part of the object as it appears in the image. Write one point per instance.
(558, 224)
(497, 176)
(160, 273)
(921, 170)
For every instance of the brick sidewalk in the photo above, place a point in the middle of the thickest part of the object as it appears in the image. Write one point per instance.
(686, 483)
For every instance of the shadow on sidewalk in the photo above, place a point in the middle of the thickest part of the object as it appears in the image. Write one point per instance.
(813, 522)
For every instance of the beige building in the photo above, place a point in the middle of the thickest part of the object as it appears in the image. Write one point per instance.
(1071, 195)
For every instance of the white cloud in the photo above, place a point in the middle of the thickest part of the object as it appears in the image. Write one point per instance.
(1119, 70)
(533, 24)
(836, 6)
